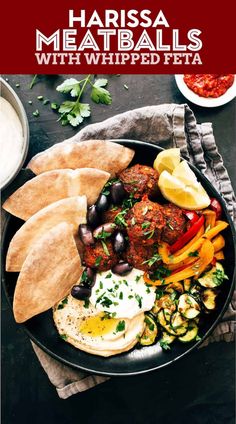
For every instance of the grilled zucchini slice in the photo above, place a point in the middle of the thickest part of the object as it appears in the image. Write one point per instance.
(161, 318)
(208, 299)
(214, 277)
(191, 333)
(188, 306)
(178, 325)
(150, 332)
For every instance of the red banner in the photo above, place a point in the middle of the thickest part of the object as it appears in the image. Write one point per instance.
(137, 38)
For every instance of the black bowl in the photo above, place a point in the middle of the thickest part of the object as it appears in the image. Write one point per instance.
(139, 360)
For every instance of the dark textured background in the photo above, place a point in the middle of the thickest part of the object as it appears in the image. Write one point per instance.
(197, 389)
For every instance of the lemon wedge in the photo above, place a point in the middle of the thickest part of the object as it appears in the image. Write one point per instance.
(167, 160)
(184, 173)
(190, 196)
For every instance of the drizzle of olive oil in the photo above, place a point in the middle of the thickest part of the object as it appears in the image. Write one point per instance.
(95, 326)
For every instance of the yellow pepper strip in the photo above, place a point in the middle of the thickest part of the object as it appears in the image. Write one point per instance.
(220, 226)
(173, 259)
(218, 242)
(219, 255)
(187, 261)
(210, 218)
(196, 237)
(206, 255)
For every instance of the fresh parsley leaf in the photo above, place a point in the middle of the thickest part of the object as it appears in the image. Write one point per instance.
(160, 273)
(99, 94)
(219, 276)
(121, 295)
(120, 326)
(98, 261)
(164, 345)
(198, 338)
(145, 225)
(155, 258)
(109, 275)
(120, 218)
(193, 254)
(86, 303)
(106, 251)
(70, 85)
(139, 300)
(63, 336)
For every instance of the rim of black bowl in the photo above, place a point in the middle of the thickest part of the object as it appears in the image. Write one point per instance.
(129, 143)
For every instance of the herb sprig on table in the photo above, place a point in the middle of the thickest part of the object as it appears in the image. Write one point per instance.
(74, 112)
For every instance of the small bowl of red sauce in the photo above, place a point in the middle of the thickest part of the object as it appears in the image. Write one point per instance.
(208, 90)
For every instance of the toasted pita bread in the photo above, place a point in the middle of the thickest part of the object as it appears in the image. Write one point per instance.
(51, 268)
(71, 210)
(100, 154)
(51, 186)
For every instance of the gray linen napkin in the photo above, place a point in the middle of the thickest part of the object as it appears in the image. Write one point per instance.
(169, 125)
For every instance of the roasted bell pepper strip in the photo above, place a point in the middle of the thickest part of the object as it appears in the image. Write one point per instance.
(164, 252)
(191, 242)
(206, 254)
(210, 218)
(216, 207)
(191, 215)
(189, 260)
(220, 226)
(219, 255)
(188, 235)
(218, 242)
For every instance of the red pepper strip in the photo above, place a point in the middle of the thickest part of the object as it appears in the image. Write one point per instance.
(216, 207)
(191, 215)
(188, 235)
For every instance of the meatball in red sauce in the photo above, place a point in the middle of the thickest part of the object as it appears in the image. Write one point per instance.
(140, 180)
(145, 222)
(175, 223)
(95, 256)
(139, 256)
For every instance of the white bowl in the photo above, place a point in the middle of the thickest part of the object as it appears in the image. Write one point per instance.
(205, 101)
(9, 94)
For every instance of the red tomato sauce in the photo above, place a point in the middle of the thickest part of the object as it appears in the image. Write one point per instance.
(209, 85)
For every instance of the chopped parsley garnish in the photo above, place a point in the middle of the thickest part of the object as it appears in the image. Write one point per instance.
(121, 295)
(62, 303)
(169, 225)
(108, 315)
(145, 225)
(106, 251)
(198, 338)
(130, 296)
(139, 300)
(98, 261)
(193, 254)
(137, 278)
(86, 303)
(106, 188)
(36, 113)
(173, 295)
(103, 235)
(129, 203)
(149, 234)
(160, 274)
(120, 326)
(63, 336)
(149, 323)
(120, 218)
(159, 293)
(100, 285)
(106, 302)
(155, 258)
(219, 276)
(148, 290)
(109, 275)
(164, 345)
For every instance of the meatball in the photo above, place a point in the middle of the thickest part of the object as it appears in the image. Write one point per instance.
(95, 256)
(110, 214)
(140, 180)
(145, 222)
(139, 256)
(175, 223)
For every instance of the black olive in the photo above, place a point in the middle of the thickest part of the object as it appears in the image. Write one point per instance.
(102, 203)
(88, 277)
(86, 235)
(119, 243)
(122, 268)
(104, 230)
(80, 292)
(118, 193)
(93, 217)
